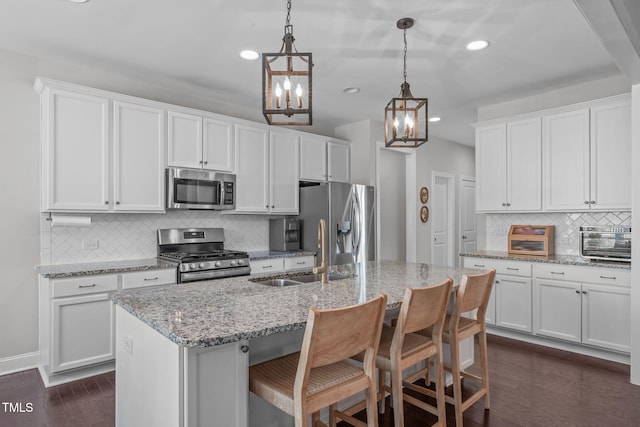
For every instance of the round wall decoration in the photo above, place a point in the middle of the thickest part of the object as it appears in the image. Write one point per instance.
(424, 195)
(424, 214)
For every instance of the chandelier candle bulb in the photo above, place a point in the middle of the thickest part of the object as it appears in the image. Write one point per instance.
(278, 95)
(299, 95)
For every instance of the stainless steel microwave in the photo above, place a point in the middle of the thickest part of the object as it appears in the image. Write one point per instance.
(200, 189)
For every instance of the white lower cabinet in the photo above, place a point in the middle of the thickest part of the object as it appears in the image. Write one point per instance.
(278, 265)
(82, 322)
(77, 317)
(593, 314)
(510, 302)
(513, 302)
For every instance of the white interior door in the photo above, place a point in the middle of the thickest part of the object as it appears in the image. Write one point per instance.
(392, 205)
(467, 215)
(442, 211)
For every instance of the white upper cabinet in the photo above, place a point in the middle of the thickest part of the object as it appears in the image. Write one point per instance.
(587, 158)
(338, 161)
(138, 152)
(284, 155)
(252, 169)
(267, 171)
(75, 151)
(98, 153)
(524, 165)
(611, 155)
(323, 160)
(491, 168)
(200, 142)
(313, 158)
(509, 166)
(566, 148)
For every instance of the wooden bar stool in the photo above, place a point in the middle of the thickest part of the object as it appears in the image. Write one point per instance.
(472, 294)
(400, 348)
(321, 374)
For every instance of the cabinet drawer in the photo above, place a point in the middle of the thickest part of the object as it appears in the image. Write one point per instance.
(269, 265)
(513, 268)
(140, 279)
(576, 273)
(83, 285)
(294, 263)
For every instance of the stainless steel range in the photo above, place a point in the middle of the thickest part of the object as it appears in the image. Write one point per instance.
(200, 254)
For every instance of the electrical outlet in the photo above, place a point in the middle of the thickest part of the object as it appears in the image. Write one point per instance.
(90, 245)
(128, 344)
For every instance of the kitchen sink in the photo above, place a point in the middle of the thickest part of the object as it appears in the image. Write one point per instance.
(278, 282)
(300, 279)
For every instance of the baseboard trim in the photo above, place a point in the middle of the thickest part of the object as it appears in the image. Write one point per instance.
(562, 345)
(21, 362)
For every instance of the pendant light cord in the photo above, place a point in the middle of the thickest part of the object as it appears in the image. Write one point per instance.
(288, 13)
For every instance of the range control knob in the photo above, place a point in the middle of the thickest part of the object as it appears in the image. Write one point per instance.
(233, 262)
(240, 262)
(202, 265)
(192, 266)
(217, 264)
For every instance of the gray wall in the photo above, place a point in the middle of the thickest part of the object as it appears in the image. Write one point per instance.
(439, 155)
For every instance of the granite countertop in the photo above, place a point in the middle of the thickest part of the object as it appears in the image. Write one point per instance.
(56, 271)
(214, 312)
(552, 259)
(258, 255)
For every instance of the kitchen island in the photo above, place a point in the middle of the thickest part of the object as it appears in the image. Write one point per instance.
(182, 352)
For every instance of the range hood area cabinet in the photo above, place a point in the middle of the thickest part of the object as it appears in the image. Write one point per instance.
(199, 141)
(574, 158)
(509, 166)
(324, 160)
(267, 170)
(588, 157)
(99, 154)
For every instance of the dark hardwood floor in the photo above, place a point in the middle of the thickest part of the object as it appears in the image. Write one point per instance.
(530, 386)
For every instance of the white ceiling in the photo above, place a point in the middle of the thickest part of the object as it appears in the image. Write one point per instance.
(193, 46)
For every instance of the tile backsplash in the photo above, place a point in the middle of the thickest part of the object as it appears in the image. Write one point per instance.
(133, 236)
(567, 227)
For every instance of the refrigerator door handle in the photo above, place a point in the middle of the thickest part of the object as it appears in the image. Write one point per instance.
(356, 235)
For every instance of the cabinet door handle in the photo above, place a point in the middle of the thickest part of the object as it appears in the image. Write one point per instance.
(497, 281)
(586, 202)
(508, 204)
(147, 279)
(244, 348)
(201, 163)
(301, 263)
(577, 291)
(512, 269)
(267, 266)
(206, 162)
(93, 285)
(608, 277)
(504, 204)
(478, 265)
(584, 292)
(117, 203)
(272, 206)
(557, 272)
(106, 202)
(593, 202)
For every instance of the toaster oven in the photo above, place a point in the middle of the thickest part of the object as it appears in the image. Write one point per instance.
(605, 243)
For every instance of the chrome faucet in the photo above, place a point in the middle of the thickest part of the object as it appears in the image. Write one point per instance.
(322, 244)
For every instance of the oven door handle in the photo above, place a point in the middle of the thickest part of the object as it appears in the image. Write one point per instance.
(214, 274)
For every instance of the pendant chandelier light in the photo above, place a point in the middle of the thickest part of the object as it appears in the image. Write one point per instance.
(286, 82)
(405, 117)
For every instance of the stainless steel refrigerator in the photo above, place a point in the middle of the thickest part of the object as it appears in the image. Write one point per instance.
(349, 211)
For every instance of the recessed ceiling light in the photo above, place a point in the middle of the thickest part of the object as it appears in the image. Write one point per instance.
(351, 90)
(249, 55)
(477, 45)
(434, 119)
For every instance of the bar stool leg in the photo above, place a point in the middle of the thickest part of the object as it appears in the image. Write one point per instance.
(396, 393)
(482, 343)
(457, 385)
